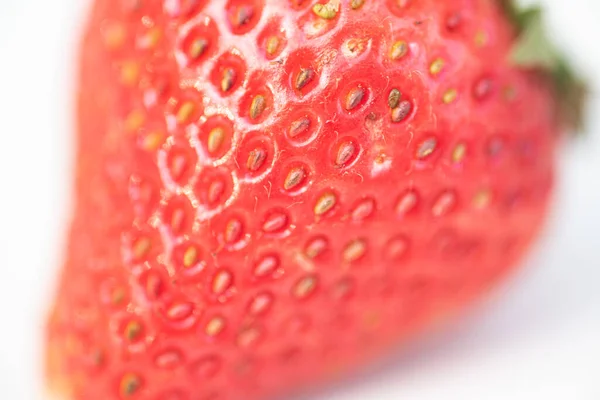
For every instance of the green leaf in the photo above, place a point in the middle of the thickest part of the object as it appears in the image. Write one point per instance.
(533, 50)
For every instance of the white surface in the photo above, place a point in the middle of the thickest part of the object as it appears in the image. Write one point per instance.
(538, 339)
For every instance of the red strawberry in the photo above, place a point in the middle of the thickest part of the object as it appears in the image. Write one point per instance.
(270, 192)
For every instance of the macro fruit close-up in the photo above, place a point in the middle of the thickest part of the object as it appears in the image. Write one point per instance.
(272, 195)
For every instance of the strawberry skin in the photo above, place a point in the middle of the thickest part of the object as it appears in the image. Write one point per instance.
(270, 192)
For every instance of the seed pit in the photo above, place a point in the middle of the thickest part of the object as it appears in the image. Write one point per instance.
(228, 74)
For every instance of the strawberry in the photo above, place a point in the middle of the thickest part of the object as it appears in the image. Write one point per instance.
(270, 193)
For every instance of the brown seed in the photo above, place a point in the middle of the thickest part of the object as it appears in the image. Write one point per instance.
(272, 45)
(228, 79)
(133, 329)
(256, 158)
(242, 15)
(197, 48)
(257, 106)
(394, 98)
(324, 203)
(345, 154)
(299, 126)
(400, 113)
(233, 231)
(216, 137)
(304, 77)
(294, 178)
(426, 148)
(398, 50)
(354, 97)
(130, 383)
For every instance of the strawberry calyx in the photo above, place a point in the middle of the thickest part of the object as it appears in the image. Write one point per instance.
(534, 50)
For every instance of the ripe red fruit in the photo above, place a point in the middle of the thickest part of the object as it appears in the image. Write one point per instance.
(270, 192)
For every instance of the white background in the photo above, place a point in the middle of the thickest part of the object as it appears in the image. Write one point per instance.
(538, 338)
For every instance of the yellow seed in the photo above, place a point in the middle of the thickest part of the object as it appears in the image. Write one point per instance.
(114, 36)
(272, 45)
(197, 48)
(356, 4)
(130, 72)
(190, 257)
(324, 204)
(459, 152)
(215, 326)
(481, 38)
(151, 38)
(305, 287)
(482, 199)
(117, 296)
(248, 336)
(215, 139)
(185, 112)
(449, 96)
(228, 79)
(436, 66)
(153, 141)
(327, 11)
(354, 250)
(398, 50)
(134, 120)
(141, 247)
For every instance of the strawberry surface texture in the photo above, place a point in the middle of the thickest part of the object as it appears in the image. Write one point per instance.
(270, 194)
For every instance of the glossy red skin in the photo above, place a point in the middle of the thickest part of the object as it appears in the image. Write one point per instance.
(348, 311)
